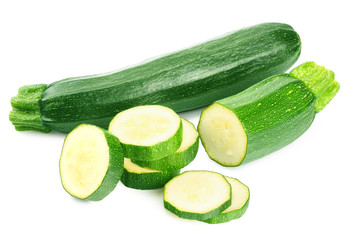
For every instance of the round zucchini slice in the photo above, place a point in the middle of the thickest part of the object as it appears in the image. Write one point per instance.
(240, 196)
(182, 157)
(145, 178)
(91, 162)
(222, 135)
(148, 132)
(197, 195)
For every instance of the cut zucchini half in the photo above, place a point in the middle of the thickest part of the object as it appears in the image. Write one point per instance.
(91, 162)
(138, 177)
(148, 132)
(240, 196)
(222, 135)
(197, 195)
(182, 157)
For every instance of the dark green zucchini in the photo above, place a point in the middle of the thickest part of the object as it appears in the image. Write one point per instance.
(183, 80)
(266, 116)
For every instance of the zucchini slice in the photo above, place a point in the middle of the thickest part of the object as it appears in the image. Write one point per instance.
(148, 132)
(138, 177)
(91, 162)
(240, 196)
(182, 157)
(197, 195)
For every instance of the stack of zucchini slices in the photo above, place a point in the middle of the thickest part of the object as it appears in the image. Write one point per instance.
(206, 196)
(145, 147)
(157, 143)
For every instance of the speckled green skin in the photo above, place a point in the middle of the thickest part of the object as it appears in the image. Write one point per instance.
(273, 113)
(197, 216)
(146, 181)
(174, 161)
(115, 169)
(183, 80)
(227, 217)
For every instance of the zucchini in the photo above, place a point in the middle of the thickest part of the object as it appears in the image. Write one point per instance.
(148, 132)
(198, 195)
(91, 162)
(240, 196)
(266, 116)
(183, 80)
(182, 157)
(137, 177)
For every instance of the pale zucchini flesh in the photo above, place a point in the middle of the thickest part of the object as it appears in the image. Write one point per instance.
(148, 132)
(197, 195)
(240, 196)
(144, 178)
(222, 135)
(91, 162)
(182, 157)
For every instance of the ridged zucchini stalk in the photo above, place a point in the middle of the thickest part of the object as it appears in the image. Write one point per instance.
(183, 80)
(266, 116)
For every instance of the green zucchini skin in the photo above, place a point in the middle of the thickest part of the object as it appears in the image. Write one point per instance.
(147, 181)
(174, 161)
(274, 113)
(229, 216)
(196, 216)
(183, 80)
(115, 170)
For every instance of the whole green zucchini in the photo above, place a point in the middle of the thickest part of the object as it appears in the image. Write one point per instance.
(183, 80)
(266, 116)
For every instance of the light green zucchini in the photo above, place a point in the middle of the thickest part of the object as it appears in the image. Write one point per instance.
(266, 116)
(91, 162)
(138, 177)
(182, 157)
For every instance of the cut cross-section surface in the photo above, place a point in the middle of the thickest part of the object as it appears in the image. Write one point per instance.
(222, 135)
(148, 132)
(91, 162)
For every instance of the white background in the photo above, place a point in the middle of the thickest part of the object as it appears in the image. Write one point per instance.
(307, 190)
